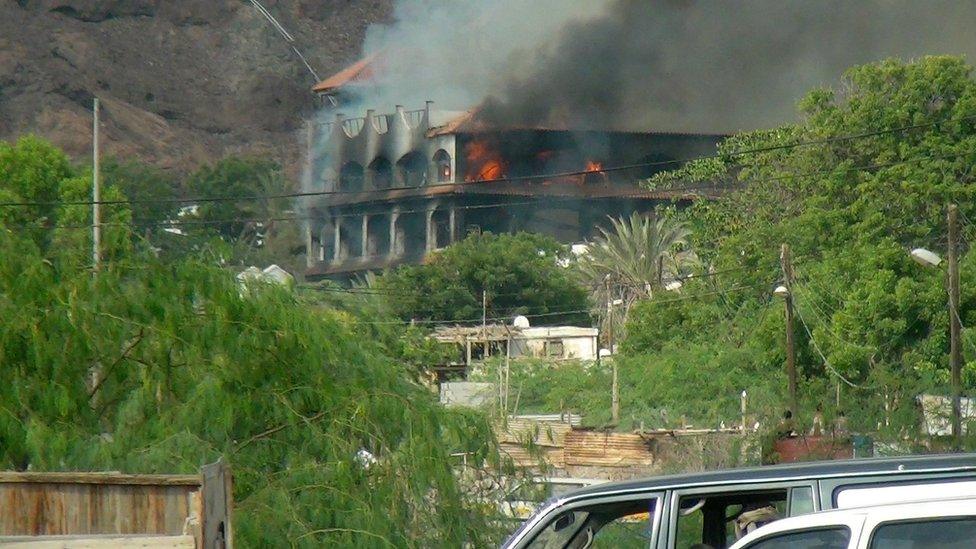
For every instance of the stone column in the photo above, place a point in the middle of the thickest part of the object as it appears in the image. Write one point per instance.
(309, 247)
(452, 224)
(431, 243)
(365, 240)
(394, 215)
(336, 239)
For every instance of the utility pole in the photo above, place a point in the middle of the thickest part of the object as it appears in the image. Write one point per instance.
(484, 322)
(508, 364)
(96, 194)
(614, 387)
(787, 265)
(955, 327)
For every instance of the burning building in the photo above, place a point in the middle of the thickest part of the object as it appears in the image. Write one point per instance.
(399, 186)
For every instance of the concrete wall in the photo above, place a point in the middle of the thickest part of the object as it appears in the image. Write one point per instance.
(467, 393)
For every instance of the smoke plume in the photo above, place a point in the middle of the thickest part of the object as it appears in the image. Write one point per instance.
(678, 65)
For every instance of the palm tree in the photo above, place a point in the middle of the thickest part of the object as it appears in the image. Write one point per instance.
(636, 257)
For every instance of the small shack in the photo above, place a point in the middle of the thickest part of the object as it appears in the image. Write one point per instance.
(553, 342)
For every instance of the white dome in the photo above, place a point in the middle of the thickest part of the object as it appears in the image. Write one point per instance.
(520, 322)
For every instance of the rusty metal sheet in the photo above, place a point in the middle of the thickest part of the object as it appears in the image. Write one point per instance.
(607, 449)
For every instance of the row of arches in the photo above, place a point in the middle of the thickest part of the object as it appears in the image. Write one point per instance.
(411, 170)
(408, 234)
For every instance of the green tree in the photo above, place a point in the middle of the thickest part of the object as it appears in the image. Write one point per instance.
(633, 260)
(152, 190)
(850, 208)
(260, 230)
(189, 368)
(523, 274)
(235, 177)
(32, 171)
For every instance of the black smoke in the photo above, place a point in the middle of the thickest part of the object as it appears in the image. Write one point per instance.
(714, 66)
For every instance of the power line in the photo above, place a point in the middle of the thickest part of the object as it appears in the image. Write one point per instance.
(179, 222)
(510, 179)
(551, 313)
(310, 218)
(823, 357)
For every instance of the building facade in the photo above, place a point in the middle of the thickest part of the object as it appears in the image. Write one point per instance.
(396, 187)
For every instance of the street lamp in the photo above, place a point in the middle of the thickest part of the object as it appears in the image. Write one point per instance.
(925, 257)
(931, 259)
(783, 291)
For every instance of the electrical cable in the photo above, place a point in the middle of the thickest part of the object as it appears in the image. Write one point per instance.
(556, 175)
(820, 352)
(307, 218)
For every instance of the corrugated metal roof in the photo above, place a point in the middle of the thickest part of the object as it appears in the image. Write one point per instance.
(595, 448)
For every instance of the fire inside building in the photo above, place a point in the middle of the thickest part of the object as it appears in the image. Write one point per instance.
(401, 185)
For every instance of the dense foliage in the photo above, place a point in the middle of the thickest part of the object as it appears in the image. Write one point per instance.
(878, 164)
(864, 177)
(522, 274)
(158, 365)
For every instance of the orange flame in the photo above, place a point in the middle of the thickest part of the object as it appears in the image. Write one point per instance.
(484, 163)
(593, 166)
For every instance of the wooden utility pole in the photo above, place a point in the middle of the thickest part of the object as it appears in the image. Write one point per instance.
(484, 323)
(614, 387)
(96, 194)
(787, 265)
(955, 327)
(508, 366)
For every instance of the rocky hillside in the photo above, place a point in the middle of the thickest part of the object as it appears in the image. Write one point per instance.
(181, 82)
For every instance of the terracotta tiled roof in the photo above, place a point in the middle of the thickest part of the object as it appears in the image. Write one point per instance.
(360, 71)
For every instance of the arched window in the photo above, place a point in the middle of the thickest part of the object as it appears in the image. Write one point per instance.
(382, 173)
(412, 170)
(351, 177)
(442, 162)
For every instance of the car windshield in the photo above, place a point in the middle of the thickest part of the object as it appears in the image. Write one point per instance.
(618, 524)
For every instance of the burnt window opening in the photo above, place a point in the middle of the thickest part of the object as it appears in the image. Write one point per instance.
(327, 242)
(442, 162)
(441, 220)
(381, 172)
(351, 177)
(412, 170)
(409, 241)
(350, 238)
(378, 235)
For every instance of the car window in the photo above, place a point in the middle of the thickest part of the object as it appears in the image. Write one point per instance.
(821, 538)
(801, 500)
(627, 524)
(924, 534)
(718, 520)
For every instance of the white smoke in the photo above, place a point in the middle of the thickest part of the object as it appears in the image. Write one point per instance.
(456, 52)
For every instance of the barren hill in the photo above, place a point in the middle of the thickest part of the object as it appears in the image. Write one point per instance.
(182, 82)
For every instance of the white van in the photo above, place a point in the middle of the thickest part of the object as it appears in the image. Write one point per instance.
(945, 523)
